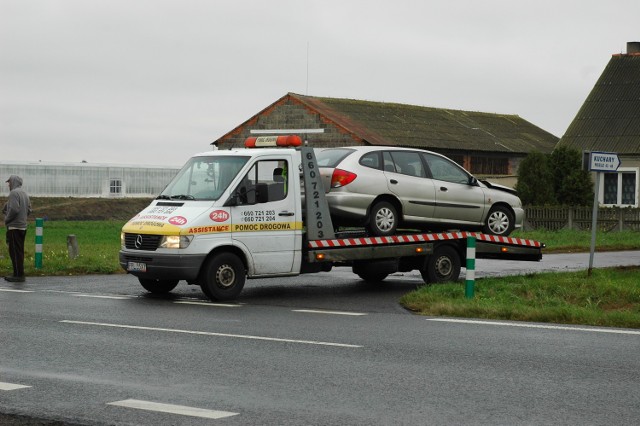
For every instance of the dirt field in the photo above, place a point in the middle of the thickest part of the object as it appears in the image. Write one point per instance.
(85, 208)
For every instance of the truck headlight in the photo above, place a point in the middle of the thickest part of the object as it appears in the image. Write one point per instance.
(176, 241)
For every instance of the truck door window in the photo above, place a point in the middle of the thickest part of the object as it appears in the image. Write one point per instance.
(266, 181)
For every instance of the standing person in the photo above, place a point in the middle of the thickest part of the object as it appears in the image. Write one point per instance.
(16, 210)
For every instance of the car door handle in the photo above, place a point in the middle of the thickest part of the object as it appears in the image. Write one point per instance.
(444, 189)
(393, 181)
(286, 214)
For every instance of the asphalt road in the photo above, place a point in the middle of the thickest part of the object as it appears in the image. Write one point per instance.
(321, 349)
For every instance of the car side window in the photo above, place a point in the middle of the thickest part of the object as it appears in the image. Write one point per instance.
(371, 159)
(388, 162)
(443, 169)
(408, 163)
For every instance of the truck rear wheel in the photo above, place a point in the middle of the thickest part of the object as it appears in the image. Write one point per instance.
(442, 266)
(158, 286)
(222, 277)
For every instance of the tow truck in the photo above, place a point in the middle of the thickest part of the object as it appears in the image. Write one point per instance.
(259, 212)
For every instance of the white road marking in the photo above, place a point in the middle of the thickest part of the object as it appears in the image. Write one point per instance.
(10, 290)
(215, 305)
(313, 311)
(11, 386)
(98, 296)
(173, 409)
(206, 333)
(548, 327)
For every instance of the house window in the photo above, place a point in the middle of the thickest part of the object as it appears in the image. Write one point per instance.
(115, 186)
(620, 189)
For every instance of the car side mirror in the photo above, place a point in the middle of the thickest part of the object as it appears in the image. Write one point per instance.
(473, 181)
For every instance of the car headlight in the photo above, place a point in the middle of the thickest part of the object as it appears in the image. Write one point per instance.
(176, 241)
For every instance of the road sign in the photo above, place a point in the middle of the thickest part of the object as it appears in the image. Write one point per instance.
(604, 162)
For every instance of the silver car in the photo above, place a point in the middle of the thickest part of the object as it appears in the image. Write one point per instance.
(384, 188)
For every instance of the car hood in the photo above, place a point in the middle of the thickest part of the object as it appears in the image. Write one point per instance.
(499, 187)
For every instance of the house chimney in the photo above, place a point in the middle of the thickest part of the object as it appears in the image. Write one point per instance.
(633, 47)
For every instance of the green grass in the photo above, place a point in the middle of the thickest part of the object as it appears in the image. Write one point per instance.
(579, 241)
(609, 297)
(98, 243)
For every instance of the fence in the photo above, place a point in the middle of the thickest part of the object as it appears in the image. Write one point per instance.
(556, 218)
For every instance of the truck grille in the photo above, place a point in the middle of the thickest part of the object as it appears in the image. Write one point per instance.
(142, 241)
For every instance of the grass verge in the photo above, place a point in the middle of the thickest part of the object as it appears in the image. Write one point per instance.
(609, 297)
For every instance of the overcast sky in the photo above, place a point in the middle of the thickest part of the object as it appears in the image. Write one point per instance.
(154, 81)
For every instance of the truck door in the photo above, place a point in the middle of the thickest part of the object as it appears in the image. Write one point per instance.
(264, 219)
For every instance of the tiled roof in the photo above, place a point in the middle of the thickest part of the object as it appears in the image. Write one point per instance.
(380, 123)
(609, 119)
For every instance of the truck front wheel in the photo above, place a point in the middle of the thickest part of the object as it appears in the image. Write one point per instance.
(442, 266)
(158, 286)
(222, 277)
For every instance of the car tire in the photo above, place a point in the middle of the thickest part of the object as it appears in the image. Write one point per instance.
(222, 277)
(158, 286)
(442, 266)
(383, 219)
(500, 221)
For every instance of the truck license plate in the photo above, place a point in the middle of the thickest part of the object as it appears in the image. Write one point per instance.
(137, 267)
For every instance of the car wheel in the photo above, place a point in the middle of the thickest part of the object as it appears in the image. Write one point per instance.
(442, 266)
(158, 286)
(383, 219)
(500, 222)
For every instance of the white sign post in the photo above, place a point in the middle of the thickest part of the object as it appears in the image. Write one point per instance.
(599, 162)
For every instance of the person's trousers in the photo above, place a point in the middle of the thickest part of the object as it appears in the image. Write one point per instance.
(15, 241)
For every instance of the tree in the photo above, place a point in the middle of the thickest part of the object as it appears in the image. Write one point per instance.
(572, 185)
(535, 180)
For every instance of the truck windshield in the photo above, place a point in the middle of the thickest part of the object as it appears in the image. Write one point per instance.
(204, 178)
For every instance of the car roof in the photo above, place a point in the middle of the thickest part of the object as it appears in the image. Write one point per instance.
(364, 149)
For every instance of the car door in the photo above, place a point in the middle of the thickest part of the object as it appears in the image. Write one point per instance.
(264, 218)
(407, 179)
(457, 199)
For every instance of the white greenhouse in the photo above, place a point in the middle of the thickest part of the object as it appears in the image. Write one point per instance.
(87, 180)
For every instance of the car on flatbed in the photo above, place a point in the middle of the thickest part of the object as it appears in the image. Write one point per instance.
(384, 188)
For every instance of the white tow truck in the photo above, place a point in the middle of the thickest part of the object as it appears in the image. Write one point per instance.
(261, 212)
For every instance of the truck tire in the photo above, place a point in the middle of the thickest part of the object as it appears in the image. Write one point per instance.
(158, 286)
(499, 222)
(383, 219)
(442, 266)
(222, 277)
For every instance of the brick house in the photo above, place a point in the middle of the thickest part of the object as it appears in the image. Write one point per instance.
(484, 143)
(609, 121)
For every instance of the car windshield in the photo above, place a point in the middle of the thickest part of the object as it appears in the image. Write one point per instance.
(204, 178)
(332, 157)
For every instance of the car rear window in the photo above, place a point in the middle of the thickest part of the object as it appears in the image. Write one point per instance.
(332, 157)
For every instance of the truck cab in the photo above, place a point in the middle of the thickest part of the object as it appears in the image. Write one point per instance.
(244, 204)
